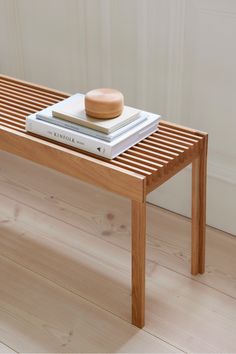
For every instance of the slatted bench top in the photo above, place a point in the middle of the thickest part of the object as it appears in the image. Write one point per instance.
(145, 166)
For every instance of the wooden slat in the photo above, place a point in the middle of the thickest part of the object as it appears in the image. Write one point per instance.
(133, 162)
(131, 155)
(130, 168)
(12, 115)
(168, 149)
(30, 90)
(35, 97)
(28, 103)
(152, 150)
(174, 135)
(163, 154)
(4, 124)
(169, 143)
(12, 120)
(16, 112)
(147, 158)
(179, 132)
(26, 99)
(33, 86)
(171, 139)
(182, 129)
(12, 105)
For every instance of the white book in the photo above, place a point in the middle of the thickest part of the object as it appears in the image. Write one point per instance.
(46, 115)
(88, 143)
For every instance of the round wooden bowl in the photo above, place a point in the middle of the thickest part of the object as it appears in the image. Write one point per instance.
(104, 103)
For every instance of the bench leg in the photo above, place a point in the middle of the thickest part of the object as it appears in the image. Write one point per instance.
(138, 262)
(199, 211)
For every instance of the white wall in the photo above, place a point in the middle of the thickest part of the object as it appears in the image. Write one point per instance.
(174, 57)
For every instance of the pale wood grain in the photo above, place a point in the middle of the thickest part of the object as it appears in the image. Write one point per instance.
(195, 216)
(31, 86)
(202, 206)
(73, 163)
(169, 241)
(186, 313)
(4, 349)
(138, 262)
(182, 129)
(104, 103)
(199, 181)
(18, 87)
(39, 316)
(24, 95)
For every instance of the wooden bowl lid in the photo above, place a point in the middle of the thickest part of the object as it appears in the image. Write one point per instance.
(104, 103)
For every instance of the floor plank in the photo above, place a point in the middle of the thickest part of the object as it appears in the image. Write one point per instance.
(4, 349)
(194, 314)
(108, 217)
(100, 272)
(39, 316)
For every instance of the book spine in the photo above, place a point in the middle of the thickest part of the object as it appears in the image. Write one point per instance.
(73, 126)
(67, 137)
(76, 120)
(91, 132)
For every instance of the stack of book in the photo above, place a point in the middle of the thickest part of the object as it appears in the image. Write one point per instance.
(67, 122)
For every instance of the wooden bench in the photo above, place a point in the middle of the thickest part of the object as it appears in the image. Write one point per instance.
(133, 174)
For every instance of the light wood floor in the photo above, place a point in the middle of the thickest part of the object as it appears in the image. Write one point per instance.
(65, 272)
